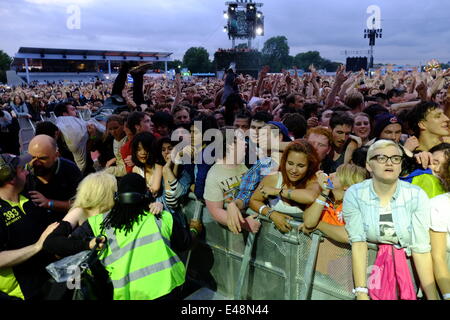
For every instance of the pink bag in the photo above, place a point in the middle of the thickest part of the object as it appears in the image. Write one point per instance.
(396, 282)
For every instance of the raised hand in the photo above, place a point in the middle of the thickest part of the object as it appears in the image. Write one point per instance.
(341, 76)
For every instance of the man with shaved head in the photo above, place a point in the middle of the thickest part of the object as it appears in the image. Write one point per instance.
(53, 180)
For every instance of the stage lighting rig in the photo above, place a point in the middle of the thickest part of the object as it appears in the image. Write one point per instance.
(244, 20)
(372, 34)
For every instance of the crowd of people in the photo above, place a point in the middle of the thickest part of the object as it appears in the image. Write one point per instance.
(362, 159)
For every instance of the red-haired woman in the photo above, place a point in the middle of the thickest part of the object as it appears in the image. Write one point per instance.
(292, 190)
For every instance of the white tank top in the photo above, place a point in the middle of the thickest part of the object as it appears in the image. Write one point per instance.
(282, 206)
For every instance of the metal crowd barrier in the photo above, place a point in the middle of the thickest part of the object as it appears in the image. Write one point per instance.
(276, 266)
(84, 114)
(52, 117)
(26, 133)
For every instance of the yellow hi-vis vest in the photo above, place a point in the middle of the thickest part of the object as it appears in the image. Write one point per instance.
(141, 265)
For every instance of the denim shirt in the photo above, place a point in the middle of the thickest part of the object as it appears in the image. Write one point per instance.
(410, 214)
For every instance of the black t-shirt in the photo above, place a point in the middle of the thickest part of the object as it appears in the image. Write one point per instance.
(62, 186)
(21, 228)
(105, 148)
(329, 165)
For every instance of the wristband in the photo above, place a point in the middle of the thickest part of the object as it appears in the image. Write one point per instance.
(446, 296)
(279, 193)
(261, 209)
(269, 213)
(194, 231)
(324, 195)
(322, 203)
(51, 204)
(360, 290)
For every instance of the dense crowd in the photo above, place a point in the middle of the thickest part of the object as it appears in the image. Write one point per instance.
(362, 159)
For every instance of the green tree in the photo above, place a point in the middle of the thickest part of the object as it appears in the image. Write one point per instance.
(305, 59)
(331, 66)
(170, 65)
(5, 62)
(276, 53)
(196, 59)
(175, 64)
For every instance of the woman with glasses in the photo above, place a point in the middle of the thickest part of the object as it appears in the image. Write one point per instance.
(395, 215)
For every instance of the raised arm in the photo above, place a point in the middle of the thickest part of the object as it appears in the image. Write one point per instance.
(262, 76)
(341, 77)
(275, 86)
(178, 95)
(288, 80)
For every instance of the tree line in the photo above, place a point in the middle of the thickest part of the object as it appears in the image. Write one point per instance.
(275, 54)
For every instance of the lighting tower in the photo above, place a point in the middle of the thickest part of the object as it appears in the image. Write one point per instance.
(372, 34)
(244, 20)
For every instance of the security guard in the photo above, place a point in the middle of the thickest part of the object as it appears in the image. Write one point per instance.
(140, 247)
(23, 229)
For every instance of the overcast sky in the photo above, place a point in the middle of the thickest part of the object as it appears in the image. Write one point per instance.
(413, 31)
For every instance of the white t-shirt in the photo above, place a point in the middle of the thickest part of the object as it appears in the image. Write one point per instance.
(440, 215)
(222, 184)
(74, 131)
(387, 228)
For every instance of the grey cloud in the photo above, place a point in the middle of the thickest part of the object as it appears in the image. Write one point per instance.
(413, 31)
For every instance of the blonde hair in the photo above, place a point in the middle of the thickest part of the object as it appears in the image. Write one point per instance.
(96, 191)
(350, 174)
(380, 144)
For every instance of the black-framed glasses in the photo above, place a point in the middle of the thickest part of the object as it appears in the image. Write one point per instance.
(381, 158)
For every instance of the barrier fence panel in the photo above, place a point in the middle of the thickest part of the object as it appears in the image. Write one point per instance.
(26, 133)
(52, 117)
(25, 136)
(25, 123)
(291, 266)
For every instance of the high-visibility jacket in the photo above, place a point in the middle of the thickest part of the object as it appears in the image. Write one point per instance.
(141, 265)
